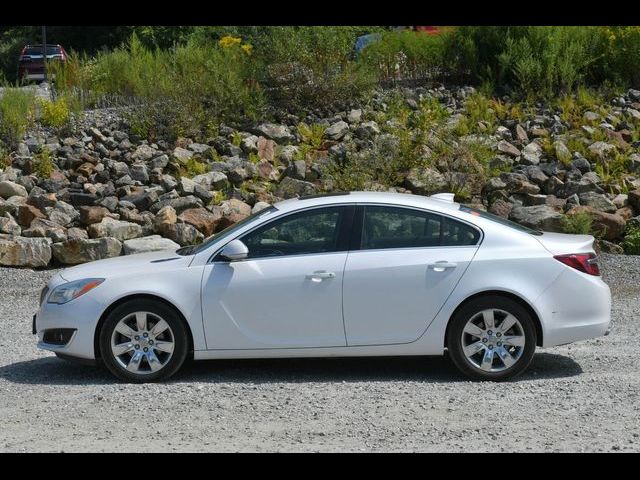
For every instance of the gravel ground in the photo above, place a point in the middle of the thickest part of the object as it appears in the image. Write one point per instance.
(581, 397)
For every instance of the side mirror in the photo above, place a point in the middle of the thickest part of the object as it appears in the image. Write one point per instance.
(234, 250)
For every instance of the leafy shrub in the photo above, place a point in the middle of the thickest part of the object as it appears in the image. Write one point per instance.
(622, 57)
(236, 138)
(631, 242)
(193, 167)
(405, 55)
(5, 159)
(16, 114)
(305, 68)
(579, 223)
(44, 164)
(55, 113)
(312, 135)
(181, 88)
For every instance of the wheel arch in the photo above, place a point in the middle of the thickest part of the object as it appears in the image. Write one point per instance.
(139, 296)
(510, 295)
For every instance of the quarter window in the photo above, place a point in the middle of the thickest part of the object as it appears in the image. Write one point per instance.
(394, 227)
(312, 231)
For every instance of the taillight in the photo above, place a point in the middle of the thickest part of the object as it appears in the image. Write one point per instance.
(585, 262)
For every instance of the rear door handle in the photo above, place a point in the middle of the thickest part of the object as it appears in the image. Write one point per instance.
(320, 275)
(441, 266)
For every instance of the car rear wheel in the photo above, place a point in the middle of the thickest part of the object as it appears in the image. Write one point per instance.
(492, 338)
(143, 341)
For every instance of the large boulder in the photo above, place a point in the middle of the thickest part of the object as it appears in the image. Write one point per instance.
(278, 133)
(508, 149)
(78, 250)
(182, 154)
(183, 234)
(152, 243)
(539, 217)
(179, 204)
(291, 187)
(201, 218)
(27, 214)
(165, 217)
(233, 211)
(10, 189)
(24, 252)
(634, 199)
(9, 226)
(602, 151)
(212, 180)
(337, 130)
(424, 181)
(41, 227)
(117, 229)
(266, 149)
(597, 201)
(90, 215)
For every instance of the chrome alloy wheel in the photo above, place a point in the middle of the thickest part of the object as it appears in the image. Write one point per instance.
(493, 340)
(142, 343)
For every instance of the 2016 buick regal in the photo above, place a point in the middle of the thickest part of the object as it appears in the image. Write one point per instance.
(357, 274)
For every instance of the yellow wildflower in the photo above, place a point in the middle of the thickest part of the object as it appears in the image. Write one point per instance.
(229, 41)
(248, 49)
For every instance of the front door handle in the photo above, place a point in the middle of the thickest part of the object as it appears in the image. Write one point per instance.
(441, 266)
(320, 275)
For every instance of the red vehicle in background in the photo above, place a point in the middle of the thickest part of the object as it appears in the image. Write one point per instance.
(427, 30)
(31, 65)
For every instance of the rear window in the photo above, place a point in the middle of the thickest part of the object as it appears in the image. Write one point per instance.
(37, 50)
(495, 218)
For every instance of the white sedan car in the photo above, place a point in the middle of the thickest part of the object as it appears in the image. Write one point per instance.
(353, 274)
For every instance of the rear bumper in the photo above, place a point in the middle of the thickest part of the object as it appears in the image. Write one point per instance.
(575, 307)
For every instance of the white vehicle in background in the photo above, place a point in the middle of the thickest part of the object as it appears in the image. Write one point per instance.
(353, 274)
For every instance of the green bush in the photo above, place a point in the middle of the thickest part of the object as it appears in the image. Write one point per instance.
(310, 67)
(631, 242)
(175, 90)
(44, 164)
(55, 113)
(580, 224)
(193, 167)
(312, 135)
(17, 109)
(405, 55)
(5, 159)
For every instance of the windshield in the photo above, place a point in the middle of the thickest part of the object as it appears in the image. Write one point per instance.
(37, 50)
(227, 232)
(495, 218)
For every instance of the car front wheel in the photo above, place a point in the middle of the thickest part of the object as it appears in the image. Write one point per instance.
(143, 341)
(492, 338)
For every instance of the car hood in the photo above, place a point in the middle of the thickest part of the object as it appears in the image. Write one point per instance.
(122, 266)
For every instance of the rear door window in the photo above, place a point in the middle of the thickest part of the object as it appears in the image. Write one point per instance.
(386, 227)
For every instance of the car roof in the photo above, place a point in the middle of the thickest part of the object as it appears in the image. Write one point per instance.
(391, 198)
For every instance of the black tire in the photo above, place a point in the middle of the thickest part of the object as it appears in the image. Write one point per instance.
(178, 329)
(469, 311)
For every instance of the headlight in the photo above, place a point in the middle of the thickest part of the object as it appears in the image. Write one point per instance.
(72, 290)
(43, 294)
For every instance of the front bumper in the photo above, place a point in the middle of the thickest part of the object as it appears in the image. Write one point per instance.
(68, 329)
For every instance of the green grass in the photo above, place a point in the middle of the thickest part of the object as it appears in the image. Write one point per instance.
(17, 111)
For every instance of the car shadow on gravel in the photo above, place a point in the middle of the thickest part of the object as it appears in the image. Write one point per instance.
(53, 371)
